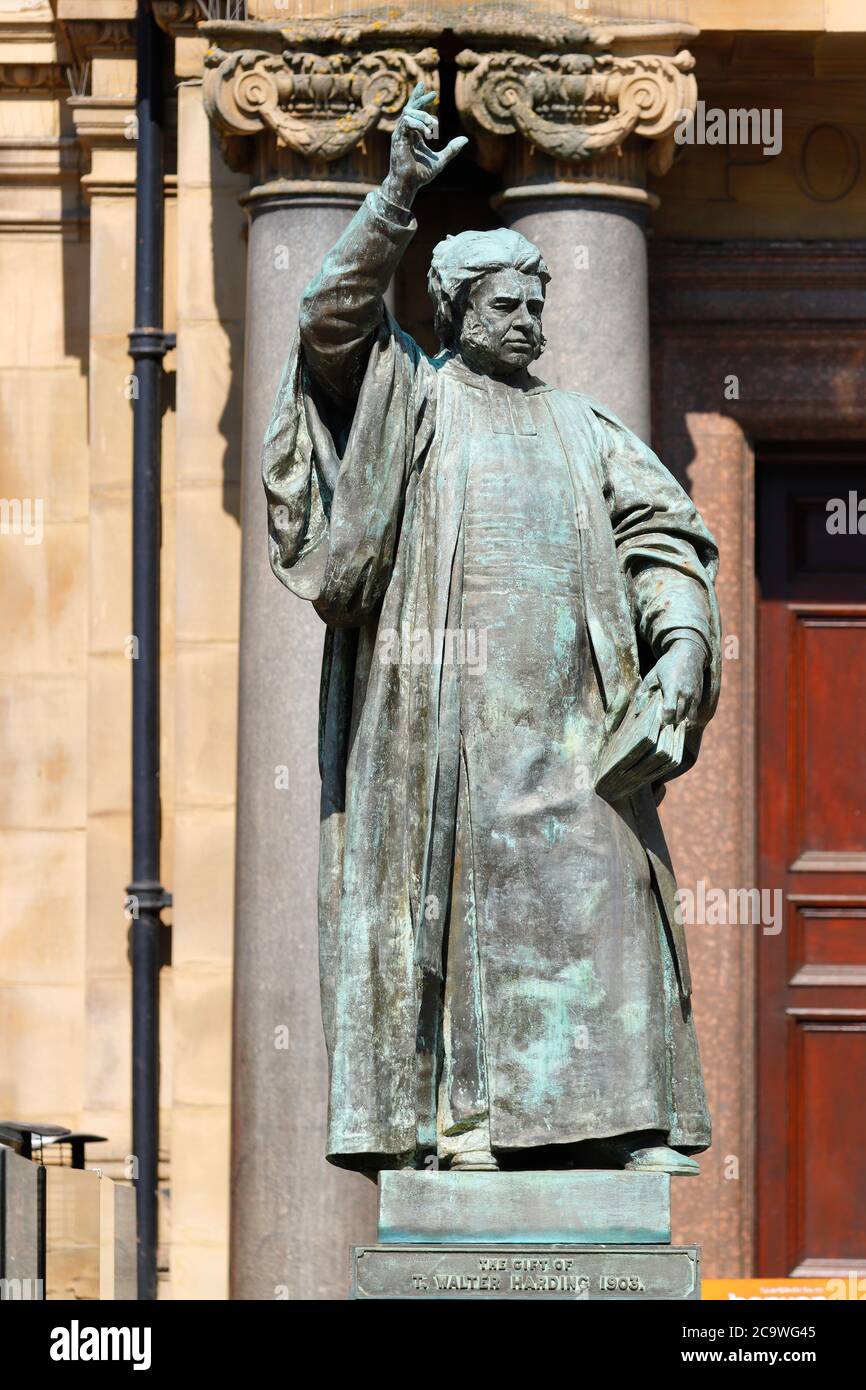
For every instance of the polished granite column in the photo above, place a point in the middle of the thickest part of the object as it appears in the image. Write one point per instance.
(293, 1216)
(574, 132)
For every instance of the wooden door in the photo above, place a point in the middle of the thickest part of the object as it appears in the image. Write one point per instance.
(811, 1026)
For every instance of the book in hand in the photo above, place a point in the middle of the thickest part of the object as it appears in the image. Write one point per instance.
(639, 750)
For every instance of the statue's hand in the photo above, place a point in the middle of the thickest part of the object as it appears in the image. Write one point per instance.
(413, 163)
(679, 675)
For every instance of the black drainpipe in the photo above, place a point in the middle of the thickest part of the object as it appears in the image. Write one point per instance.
(148, 345)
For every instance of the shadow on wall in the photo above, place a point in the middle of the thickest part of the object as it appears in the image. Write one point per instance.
(75, 251)
(229, 263)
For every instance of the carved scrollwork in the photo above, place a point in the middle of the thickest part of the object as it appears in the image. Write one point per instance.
(319, 105)
(575, 105)
(178, 16)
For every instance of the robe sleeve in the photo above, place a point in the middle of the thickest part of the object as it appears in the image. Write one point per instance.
(353, 410)
(335, 509)
(343, 308)
(666, 553)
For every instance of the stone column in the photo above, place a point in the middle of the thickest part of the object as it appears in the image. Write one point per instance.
(294, 116)
(575, 133)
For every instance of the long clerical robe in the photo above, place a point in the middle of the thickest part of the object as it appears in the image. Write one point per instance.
(496, 564)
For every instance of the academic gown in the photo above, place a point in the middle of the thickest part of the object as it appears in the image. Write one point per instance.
(495, 564)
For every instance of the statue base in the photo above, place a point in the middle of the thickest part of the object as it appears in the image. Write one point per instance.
(632, 1273)
(589, 1234)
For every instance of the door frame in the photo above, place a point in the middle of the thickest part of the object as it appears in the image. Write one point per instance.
(810, 1011)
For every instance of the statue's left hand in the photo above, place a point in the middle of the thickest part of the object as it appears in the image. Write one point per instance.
(679, 675)
(413, 163)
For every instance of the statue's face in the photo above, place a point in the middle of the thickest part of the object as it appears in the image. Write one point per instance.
(501, 329)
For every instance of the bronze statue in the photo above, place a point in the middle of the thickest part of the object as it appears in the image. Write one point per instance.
(516, 593)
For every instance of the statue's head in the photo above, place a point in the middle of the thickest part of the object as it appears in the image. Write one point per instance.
(488, 292)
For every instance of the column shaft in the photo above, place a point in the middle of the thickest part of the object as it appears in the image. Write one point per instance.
(293, 1215)
(596, 320)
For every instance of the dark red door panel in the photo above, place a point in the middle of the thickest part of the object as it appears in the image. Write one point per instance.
(811, 1027)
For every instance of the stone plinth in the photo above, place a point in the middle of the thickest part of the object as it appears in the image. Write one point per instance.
(590, 1234)
(592, 1207)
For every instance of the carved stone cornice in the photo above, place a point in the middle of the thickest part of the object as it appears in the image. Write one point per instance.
(318, 104)
(98, 38)
(33, 77)
(575, 107)
(521, 24)
(105, 127)
(29, 26)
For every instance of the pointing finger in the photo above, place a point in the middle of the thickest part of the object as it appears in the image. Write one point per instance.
(451, 149)
(421, 96)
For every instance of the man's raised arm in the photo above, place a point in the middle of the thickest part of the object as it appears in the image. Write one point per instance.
(342, 307)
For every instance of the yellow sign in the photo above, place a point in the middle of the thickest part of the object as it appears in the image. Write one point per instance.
(834, 1287)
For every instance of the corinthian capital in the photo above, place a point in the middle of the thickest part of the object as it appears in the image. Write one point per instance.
(318, 104)
(575, 106)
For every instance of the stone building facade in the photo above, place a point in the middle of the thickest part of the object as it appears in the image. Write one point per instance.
(711, 290)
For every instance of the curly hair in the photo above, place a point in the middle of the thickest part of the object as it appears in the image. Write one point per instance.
(459, 262)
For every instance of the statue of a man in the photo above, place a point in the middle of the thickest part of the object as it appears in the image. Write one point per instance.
(504, 571)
